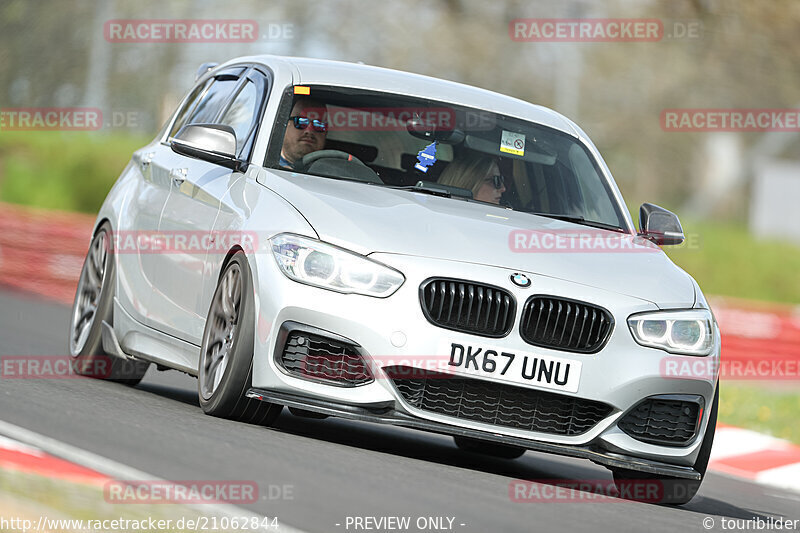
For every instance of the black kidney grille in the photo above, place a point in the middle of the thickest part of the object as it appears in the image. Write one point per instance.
(564, 324)
(469, 307)
(668, 422)
(314, 357)
(497, 404)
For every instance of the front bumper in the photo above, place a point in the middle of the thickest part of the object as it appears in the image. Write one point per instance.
(621, 374)
(388, 415)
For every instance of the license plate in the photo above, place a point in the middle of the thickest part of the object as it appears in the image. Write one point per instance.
(541, 371)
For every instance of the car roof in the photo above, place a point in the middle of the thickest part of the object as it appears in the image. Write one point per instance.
(308, 71)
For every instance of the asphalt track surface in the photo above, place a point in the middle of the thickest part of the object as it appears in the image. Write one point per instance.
(336, 468)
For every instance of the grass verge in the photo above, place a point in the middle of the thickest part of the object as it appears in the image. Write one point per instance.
(726, 260)
(71, 171)
(28, 496)
(771, 410)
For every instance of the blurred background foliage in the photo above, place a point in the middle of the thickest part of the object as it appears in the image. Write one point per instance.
(68, 171)
(745, 55)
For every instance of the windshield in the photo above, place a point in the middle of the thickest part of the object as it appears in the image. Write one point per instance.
(461, 153)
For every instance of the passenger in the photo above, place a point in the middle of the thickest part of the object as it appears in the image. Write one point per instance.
(305, 132)
(478, 173)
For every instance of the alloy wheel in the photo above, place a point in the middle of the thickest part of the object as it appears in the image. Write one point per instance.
(90, 287)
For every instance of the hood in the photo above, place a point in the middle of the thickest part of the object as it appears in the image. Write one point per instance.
(372, 219)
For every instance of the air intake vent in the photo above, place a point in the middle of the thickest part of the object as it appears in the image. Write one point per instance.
(495, 403)
(565, 325)
(467, 306)
(662, 421)
(318, 358)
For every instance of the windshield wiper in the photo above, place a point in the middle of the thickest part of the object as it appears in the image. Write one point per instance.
(577, 219)
(436, 189)
(427, 190)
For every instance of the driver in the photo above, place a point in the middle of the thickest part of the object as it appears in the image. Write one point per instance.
(305, 132)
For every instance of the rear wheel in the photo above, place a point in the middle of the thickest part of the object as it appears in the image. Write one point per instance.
(503, 451)
(94, 300)
(226, 356)
(667, 489)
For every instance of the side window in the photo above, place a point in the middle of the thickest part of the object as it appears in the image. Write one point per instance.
(242, 114)
(190, 104)
(211, 104)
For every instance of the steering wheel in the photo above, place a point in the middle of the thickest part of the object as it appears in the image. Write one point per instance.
(309, 159)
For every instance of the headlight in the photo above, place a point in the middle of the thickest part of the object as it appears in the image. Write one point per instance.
(679, 332)
(323, 265)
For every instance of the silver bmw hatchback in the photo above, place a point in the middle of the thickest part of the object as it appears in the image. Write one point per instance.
(352, 241)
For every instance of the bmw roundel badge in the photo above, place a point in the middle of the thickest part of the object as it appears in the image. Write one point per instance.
(520, 280)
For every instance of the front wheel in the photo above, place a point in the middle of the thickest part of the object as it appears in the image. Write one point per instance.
(225, 372)
(669, 490)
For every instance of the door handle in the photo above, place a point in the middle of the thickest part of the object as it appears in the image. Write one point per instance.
(178, 175)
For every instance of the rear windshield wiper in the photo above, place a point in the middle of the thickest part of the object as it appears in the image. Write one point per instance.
(577, 219)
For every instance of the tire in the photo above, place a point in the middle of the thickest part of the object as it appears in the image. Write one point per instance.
(94, 302)
(668, 490)
(502, 451)
(225, 370)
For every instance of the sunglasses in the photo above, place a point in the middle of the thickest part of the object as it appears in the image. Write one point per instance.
(302, 123)
(497, 180)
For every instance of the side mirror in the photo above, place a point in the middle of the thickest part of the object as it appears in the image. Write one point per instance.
(214, 143)
(659, 225)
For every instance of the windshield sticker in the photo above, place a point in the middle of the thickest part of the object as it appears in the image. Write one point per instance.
(426, 157)
(512, 143)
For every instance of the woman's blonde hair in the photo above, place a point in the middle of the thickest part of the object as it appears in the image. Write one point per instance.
(467, 171)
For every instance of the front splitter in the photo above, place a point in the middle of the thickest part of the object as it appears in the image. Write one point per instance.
(386, 414)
